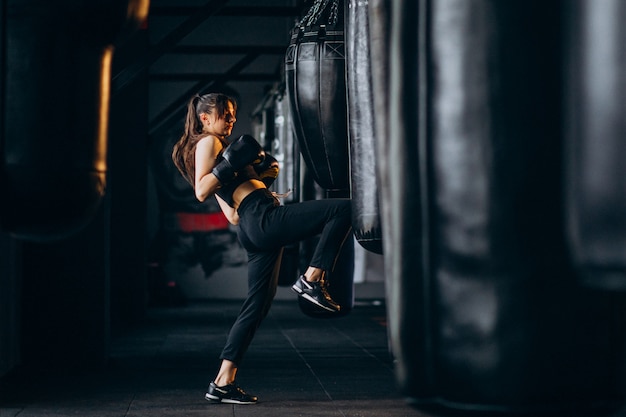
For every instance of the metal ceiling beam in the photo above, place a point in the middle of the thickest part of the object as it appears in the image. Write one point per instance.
(196, 18)
(175, 112)
(198, 77)
(227, 49)
(261, 11)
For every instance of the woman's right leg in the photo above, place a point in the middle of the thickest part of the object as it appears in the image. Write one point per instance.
(276, 226)
(331, 219)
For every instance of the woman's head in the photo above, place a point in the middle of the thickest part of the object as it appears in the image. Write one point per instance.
(212, 113)
(214, 103)
(212, 106)
(218, 116)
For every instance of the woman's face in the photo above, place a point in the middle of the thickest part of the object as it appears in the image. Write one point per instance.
(220, 127)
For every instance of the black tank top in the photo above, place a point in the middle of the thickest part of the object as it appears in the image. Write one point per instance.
(226, 191)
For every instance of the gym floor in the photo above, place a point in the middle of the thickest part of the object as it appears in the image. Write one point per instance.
(296, 365)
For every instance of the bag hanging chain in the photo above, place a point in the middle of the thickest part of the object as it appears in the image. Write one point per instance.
(334, 13)
(317, 10)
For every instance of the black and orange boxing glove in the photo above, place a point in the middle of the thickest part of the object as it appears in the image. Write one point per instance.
(243, 151)
(267, 169)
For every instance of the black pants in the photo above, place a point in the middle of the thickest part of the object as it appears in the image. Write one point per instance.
(264, 228)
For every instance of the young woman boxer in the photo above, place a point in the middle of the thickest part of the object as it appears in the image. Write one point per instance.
(238, 175)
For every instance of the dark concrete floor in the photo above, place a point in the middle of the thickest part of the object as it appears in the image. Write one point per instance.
(297, 365)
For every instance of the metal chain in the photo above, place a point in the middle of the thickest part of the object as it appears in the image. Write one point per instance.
(317, 10)
(313, 10)
(317, 16)
(334, 12)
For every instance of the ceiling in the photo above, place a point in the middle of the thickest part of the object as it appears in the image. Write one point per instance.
(199, 45)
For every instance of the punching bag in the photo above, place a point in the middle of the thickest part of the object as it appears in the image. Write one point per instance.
(315, 77)
(484, 312)
(596, 139)
(341, 279)
(285, 149)
(316, 87)
(57, 74)
(362, 133)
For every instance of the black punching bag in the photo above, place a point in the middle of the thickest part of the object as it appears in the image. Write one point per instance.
(315, 77)
(362, 133)
(56, 80)
(341, 288)
(316, 87)
(484, 312)
(285, 149)
(596, 139)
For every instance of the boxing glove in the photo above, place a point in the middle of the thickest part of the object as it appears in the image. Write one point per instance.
(243, 151)
(267, 170)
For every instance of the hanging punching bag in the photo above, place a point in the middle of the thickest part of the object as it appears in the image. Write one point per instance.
(285, 149)
(341, 288)
(315, 77)
(315, 81)
(362, 133)
(596, 139)
(484, 314)
(403, 203)
(54, 133)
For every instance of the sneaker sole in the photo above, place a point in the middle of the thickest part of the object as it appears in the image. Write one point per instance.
(216, 399)
(296, 289)
(212, 398)
(314, 301)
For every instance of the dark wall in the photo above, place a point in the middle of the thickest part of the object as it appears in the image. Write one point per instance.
(9, 305)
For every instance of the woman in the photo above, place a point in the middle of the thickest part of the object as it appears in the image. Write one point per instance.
(238, 174)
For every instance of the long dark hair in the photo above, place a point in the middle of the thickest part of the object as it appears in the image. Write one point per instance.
(184, 150)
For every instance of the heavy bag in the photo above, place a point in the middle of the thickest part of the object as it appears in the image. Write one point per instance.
(285, 148)
(57, 74)
(596, 142)
(403, 204)
(366, 222)
(341, 279)
(315, 78)
(287, 184)
(484, 314)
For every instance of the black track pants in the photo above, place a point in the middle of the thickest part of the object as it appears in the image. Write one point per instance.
(264, 228)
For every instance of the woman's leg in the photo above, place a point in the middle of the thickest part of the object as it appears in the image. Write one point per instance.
(227, 373)
(329, 218)
(263, 269)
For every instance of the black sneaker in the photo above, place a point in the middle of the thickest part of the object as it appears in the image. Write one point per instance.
(229, 394)
(316, 293)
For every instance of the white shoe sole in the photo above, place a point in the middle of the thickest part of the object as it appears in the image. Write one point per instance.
(314, 301)
(215, 399)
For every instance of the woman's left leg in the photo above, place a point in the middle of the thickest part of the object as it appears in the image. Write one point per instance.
(263, 270)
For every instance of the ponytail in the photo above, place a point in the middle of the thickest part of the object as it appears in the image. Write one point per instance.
(183, 153)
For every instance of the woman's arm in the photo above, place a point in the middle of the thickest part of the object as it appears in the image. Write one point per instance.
(207, 183)
(206, 152)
